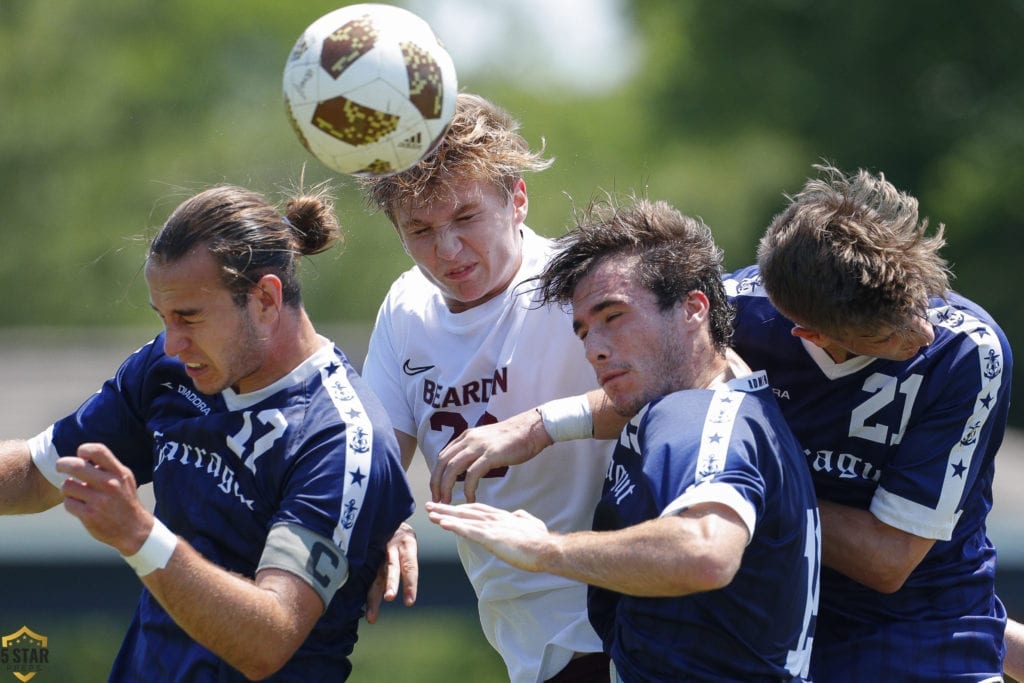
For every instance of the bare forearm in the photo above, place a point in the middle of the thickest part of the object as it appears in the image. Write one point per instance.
(607, 422)
(857, 544)
(1013, 665)
(663, 557)
(23, 489)
(228, 613)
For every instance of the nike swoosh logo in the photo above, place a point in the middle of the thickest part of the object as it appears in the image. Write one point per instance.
(408, 369)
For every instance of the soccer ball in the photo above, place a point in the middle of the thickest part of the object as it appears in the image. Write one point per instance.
(369, 89)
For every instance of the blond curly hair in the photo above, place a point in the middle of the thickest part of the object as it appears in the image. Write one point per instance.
(481, 144)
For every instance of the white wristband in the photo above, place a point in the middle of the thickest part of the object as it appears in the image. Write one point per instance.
(567, 419)
(156, 552)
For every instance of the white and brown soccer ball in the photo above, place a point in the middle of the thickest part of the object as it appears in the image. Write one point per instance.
(369, 89)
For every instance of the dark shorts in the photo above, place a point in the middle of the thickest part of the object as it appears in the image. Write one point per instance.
(589, 668)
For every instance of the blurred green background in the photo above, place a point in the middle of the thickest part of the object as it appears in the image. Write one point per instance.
(113, 111)
(116, 110)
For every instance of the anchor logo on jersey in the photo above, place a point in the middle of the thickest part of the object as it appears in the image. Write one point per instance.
(349, 517)
(993, 366)
(720, 418)
(971, 436)
(360, 441)
(710, 468)
(950, 316)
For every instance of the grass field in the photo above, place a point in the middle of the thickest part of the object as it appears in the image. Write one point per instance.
(425, 646)
(437, 645)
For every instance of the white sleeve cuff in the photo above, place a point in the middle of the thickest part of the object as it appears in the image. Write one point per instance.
(715, 492)
(44, 457)
(913, 518)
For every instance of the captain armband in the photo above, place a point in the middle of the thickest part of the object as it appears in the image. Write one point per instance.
(156, 552)
(567, 419)
(308, 555)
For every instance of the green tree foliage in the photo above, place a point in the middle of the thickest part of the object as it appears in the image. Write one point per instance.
(114, 111)
(930, 93)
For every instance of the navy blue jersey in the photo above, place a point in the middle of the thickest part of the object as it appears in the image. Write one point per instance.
(314, 449)
(731, 446)
(913, 442)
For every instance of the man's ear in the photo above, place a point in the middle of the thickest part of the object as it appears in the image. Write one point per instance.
(696, 305)
(268, 294)
(520, 200)
(816, 338)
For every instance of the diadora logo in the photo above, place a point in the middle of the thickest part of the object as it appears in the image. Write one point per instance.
(191, 396)
(412, 371)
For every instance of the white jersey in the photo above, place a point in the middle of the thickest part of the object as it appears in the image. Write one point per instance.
(439, 373)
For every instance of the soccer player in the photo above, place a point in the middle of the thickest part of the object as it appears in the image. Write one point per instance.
(898, 390)
(704, 557)
(461, 340)
(275, 470)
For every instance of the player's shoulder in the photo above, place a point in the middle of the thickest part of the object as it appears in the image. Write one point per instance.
(745, 394)
(665, 411)
(958, 321)
(149, 366)
(956, 313)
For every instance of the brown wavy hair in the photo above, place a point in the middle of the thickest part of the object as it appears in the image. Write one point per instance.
(849, 253)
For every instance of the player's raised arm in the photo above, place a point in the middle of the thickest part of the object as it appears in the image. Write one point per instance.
(693, 551)
(222, 611)
(23, 488)
(477, 451)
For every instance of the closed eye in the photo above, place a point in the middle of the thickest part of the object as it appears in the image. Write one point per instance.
(418, 232)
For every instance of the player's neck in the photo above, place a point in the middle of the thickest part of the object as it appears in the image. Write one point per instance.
(718, 374)
(290, 344)
(837, 353)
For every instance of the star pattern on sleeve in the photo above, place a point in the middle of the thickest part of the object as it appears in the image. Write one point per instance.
(958, 469)
(357, 476)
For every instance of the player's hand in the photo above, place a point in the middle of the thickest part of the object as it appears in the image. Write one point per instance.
(399, 568)
(478, 450)
(101, 492)
(517, 537)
